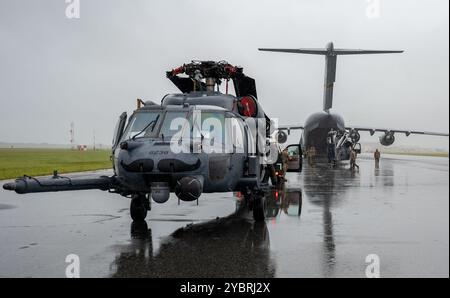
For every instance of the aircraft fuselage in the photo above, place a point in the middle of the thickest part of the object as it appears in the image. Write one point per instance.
(316, 131)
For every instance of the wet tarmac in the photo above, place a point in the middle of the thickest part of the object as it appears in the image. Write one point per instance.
(322, 224)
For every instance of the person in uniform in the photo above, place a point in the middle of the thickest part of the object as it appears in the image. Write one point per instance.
(353, 157)
(271, 172)
(377, 156)
(285, 160)
(331, 147)
(311, 155)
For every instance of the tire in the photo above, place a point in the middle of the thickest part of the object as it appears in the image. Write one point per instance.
(138, 211)
(259, 208)
(264, 175)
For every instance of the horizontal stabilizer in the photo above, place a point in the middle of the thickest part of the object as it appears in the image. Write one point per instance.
(330, 54)
(297, 51)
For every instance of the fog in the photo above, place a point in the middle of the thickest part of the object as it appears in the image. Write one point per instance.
(55, 70)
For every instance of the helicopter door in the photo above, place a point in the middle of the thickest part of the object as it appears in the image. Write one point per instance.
(226, 165)
(295, 158)
(118, 131)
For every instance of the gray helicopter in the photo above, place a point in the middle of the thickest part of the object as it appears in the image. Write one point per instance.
(198, 141)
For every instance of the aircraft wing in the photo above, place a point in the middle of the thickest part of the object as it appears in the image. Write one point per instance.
(406, 132)
(290, 127)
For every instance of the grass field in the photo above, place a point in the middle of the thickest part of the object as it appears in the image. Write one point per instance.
(37, 162)
(431, 154)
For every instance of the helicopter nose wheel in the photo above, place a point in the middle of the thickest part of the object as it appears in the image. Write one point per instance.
(138, 207)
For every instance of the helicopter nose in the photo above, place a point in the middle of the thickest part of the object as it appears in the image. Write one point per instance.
(179, 165)
(140, 165)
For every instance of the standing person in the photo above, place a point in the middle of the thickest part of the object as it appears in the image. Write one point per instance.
(308, 155)
(300, 158)
(285, 160)
(331, 147)
(377, 156)
(311, 155)
(353, 157)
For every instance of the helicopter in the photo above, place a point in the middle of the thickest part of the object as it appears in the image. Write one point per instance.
(198, 141)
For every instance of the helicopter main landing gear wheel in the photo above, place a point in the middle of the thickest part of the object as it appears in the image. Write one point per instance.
(259, 208)
(138, 207)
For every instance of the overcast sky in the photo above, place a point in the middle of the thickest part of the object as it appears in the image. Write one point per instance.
(55, 70)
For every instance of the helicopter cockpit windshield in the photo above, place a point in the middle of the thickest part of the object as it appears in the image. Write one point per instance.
(152, 124)
(208, 129)
(142, 124)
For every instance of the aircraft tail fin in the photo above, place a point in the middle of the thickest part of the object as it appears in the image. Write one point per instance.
(330, 54)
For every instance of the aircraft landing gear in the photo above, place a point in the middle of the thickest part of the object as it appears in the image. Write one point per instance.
(139, 206)
(259, 208)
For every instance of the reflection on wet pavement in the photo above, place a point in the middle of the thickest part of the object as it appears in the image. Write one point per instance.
(321, 223)
(230, 246)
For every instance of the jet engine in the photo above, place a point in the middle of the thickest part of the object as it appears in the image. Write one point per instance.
(282, 137)
(387, 139)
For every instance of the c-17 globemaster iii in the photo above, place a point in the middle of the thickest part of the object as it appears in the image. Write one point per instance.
(320, 127)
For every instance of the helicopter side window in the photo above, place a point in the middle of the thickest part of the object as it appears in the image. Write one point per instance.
(211, 131)
(140, 121)
(118, 130)
(236, 135)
